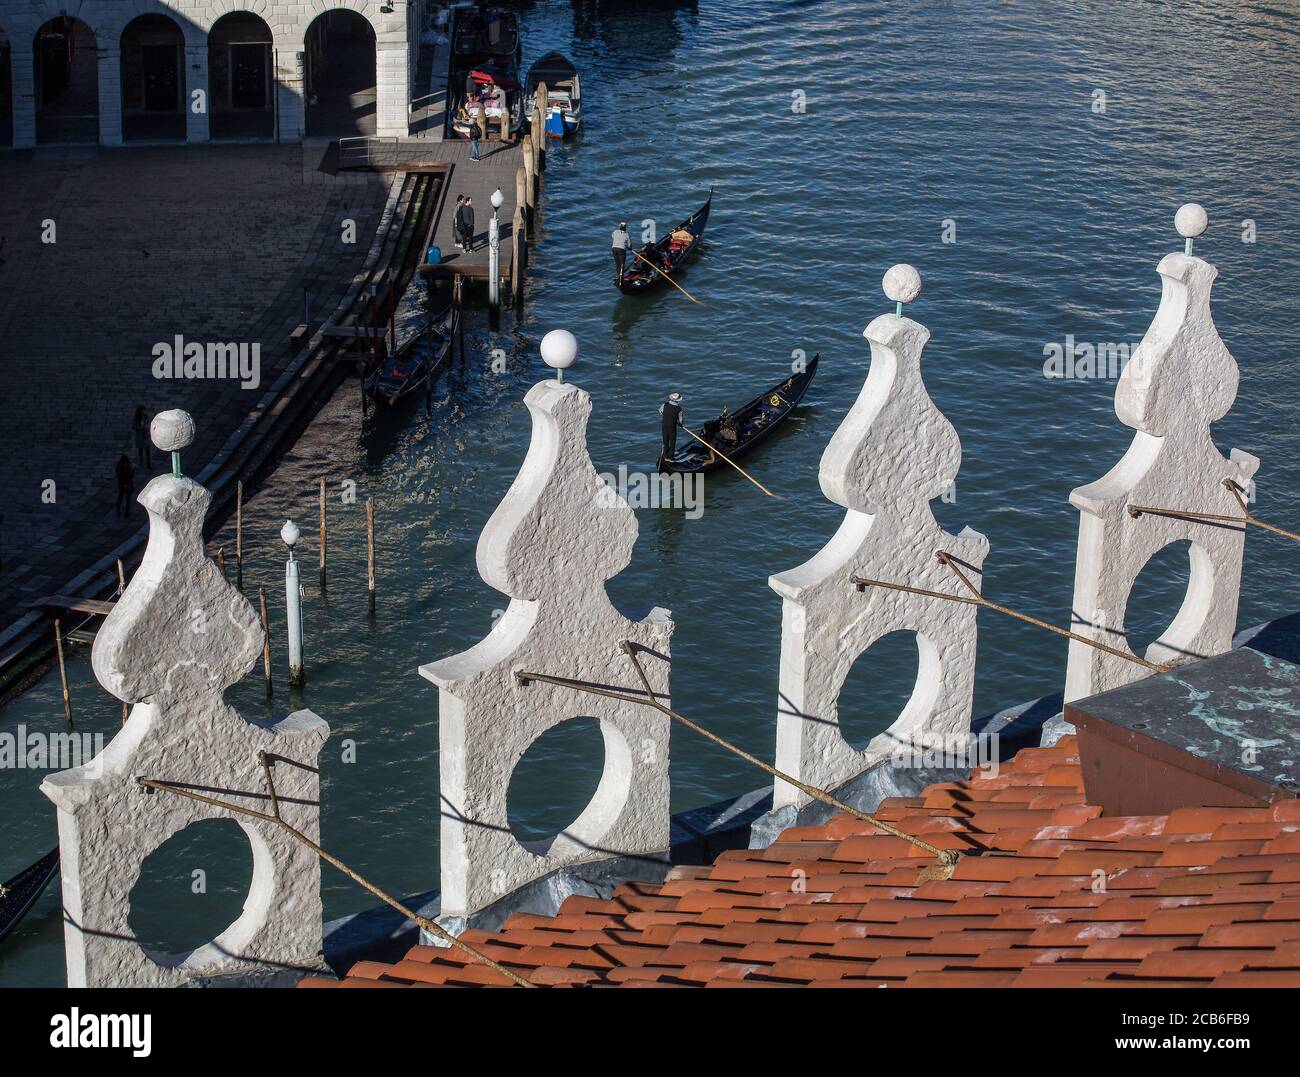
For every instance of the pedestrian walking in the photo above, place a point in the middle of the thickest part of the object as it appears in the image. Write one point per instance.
(125, 486)
(622, 244)
(140, 430)
(473, 141)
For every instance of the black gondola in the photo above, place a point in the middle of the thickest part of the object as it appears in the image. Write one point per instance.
(410, 369)
(667, 255)
(750, 425)
(19, 894)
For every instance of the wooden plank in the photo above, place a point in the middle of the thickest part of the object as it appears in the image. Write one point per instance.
(73, 605)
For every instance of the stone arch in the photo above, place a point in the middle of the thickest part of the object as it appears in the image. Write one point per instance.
(153, 77)
(65, 80)
(242, 83)
(340, 45)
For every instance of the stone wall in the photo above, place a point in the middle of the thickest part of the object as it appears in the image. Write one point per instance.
(287, 20)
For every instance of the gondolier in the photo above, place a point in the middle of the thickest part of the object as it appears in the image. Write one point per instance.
(622, 244)
(671, 417)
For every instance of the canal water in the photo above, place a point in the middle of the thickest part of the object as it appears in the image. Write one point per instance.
(1053, 142)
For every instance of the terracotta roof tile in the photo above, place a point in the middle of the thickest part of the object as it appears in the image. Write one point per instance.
(1066, 897)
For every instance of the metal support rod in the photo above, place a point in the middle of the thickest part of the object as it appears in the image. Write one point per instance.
(63, 673)
(298, 836)
(1247, 516)
(978, 599)
(947, 857)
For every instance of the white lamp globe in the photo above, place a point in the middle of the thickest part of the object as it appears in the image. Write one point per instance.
(289, 533)
(559, 349)
(1191, 220)
(497, 198)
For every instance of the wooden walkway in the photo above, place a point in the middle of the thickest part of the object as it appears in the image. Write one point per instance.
(496, 170)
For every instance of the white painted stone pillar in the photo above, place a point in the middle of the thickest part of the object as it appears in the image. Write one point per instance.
(178, 637)
(289, 61)
(197, 124)
(892, 455)
(22, 70)
(557, 536)
(393, 91)
(1180, 379)
(110, 95)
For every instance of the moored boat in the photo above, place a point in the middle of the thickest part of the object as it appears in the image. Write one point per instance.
(736, 433)
(666, 256)
(412, 368)
(563, 105)
(19, 894)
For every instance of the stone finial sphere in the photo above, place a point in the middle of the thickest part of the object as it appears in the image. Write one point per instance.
(559, 349)
(902, 283)
(1191, 220)
(289, 533)
(172, 430)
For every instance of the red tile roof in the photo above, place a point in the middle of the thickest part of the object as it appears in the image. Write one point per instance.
(1063, 897)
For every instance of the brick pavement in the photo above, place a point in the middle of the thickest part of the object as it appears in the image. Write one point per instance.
(212, 243)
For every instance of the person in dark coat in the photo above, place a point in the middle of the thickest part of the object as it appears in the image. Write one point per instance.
(125, 486)
(458, 222)
(671, 417)
(140, 431)
(469, 223)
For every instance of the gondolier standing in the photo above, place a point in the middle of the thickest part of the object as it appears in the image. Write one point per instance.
(671, 417)
(622, 244)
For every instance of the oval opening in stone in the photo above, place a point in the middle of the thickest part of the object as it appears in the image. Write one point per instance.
(191, 888)
(555, 780)
(1157, 595)
(878, 687)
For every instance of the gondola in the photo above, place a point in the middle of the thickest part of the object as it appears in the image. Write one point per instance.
(667, 254)
(410, 370)
(750, 424)
(19, 894)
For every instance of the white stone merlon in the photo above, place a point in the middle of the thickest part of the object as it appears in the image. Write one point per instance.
(891, 456)
(177, 639)
(1180, 379)
(557, 536)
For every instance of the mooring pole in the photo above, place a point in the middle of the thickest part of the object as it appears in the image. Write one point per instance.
(293, 606)
(494, 255)
(324, 538)
(266, 641)
(221, 560)
(121, 590)
(370, 551)
(63, 672)
(239, 534)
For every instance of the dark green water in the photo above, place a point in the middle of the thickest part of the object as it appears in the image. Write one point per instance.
(916, 114)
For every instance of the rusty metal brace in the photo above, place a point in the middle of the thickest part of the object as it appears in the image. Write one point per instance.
(977, 599)
(1247, 517)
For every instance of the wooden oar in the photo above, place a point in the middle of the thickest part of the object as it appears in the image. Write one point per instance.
(665, 276)
(715, 449)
